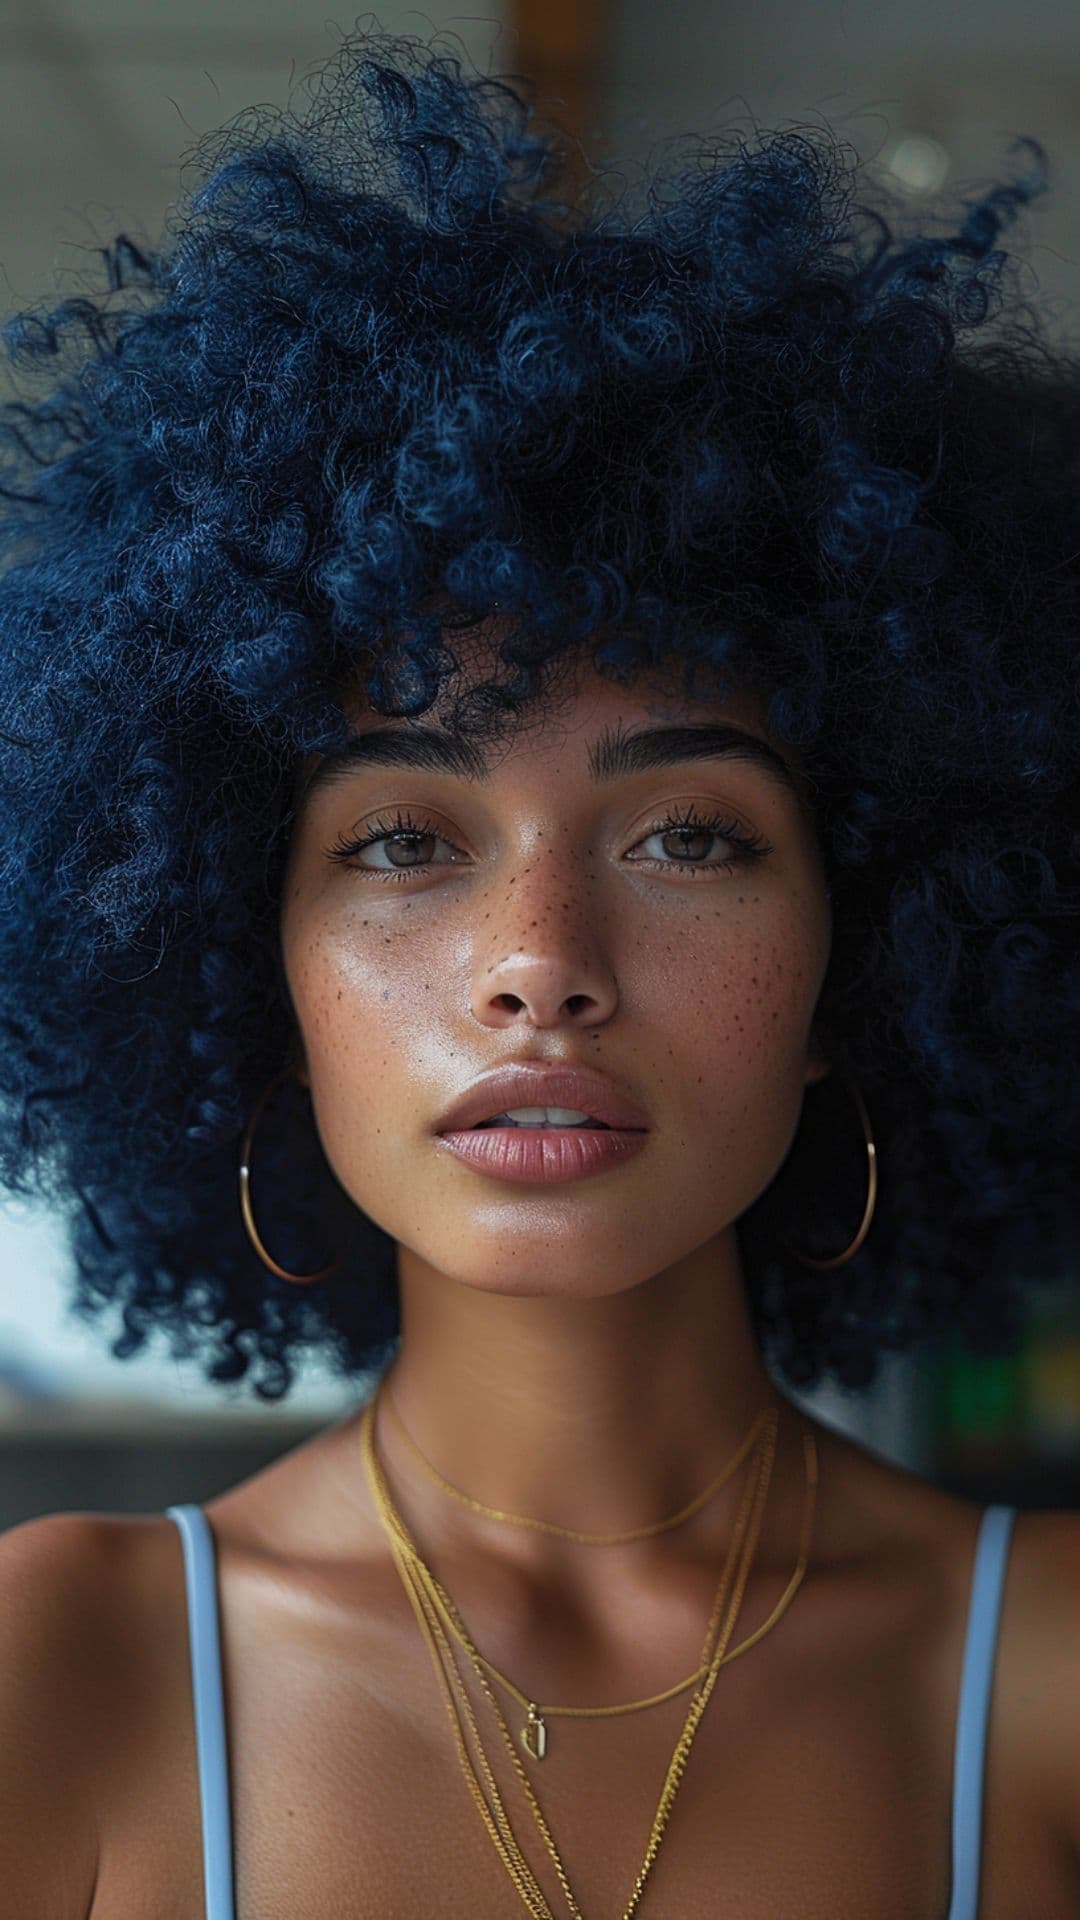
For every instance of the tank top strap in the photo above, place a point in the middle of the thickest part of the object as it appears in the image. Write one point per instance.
(973, 1714)
(200, 1575)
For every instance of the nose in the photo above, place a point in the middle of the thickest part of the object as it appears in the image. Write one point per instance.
(542, 961)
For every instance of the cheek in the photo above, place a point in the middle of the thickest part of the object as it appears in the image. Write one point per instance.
(370, 1017)
(733, 1006)
(347, 984)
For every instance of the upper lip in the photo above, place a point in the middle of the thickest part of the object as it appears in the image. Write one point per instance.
(531, 1084)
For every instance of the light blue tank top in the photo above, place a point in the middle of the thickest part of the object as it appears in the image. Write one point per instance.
(984, 1611)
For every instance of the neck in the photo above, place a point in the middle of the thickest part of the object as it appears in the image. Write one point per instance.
(603, 1413)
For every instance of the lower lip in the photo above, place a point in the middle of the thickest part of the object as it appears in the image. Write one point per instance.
(546, 1155)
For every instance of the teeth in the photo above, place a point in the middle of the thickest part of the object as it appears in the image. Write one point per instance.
(542, 1117)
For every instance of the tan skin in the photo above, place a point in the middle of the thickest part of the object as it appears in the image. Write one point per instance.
(602, 1346)
(583, 1354)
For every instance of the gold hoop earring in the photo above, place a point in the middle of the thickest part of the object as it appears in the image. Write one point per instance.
(245, 1195)
(839, 1259)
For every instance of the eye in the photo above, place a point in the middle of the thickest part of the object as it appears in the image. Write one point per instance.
(404, 835)
(696, 829)
(403, 828)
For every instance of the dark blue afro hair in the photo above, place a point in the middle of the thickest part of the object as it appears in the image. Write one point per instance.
(727, 424)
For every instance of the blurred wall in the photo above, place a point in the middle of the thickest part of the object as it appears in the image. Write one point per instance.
(99, 99)
(930, 94)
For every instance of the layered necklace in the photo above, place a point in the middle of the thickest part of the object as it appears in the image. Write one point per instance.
(440, 1623)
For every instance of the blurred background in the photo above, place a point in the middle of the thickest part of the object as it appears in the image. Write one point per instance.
(98, 105)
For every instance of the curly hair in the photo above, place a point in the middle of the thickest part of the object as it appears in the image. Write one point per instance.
(730, 424)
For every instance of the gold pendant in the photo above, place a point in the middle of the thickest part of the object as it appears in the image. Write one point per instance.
(534, 1733)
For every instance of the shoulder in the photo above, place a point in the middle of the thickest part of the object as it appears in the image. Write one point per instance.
(53, 1603)
(77, 1592)
(63, 1574)
(48, 1832)
(896, 1519)
(66, 1583)
(1039, 1652)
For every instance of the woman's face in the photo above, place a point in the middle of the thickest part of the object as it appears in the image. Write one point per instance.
(537, 913)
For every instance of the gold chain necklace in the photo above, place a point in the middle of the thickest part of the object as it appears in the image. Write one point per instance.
(385, 1398)
(430, 1603)
(534, 1733)
(419, 1583)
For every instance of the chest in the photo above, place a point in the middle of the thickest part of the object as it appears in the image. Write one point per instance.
(818, 1783)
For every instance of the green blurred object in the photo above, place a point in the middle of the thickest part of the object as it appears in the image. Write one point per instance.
(980, 1410)
(1013, 1418)
(1052, 1378)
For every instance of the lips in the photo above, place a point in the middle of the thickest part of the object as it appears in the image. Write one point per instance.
(524, 1084)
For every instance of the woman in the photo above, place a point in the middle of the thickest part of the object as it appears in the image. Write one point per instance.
(540, 760)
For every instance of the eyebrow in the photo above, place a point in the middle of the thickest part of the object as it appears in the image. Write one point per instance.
(616, 754)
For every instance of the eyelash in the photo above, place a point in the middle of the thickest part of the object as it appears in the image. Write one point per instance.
(750, 846)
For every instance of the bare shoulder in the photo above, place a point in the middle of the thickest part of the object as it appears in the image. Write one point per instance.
(899, 1521)
(52, 1709)
(50, 1603)
(1040, 1655)
(77, 1594)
